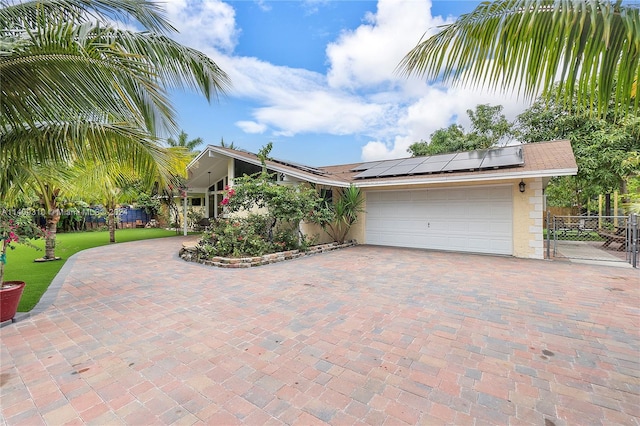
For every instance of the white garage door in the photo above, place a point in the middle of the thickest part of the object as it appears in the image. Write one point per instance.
(475, 220)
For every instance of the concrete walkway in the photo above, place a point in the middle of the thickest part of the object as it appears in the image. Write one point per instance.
(586, 252)
(364, 335)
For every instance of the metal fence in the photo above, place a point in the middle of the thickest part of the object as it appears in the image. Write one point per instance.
(611, 238)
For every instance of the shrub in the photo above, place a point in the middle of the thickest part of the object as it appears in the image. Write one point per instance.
(235, 238)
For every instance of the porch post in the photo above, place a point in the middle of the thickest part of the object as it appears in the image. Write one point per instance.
(184, 213)
(634, 240)
(206, 204)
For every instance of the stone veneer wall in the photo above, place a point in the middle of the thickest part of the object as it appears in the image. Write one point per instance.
(536, 243)
(527, 220)
(190, 254)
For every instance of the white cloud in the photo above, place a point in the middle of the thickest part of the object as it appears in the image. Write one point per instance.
(360, 95)
(204, 23)
(251, 126)
(370, 54)
(322, 112)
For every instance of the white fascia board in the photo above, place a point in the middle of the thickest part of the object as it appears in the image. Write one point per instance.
(195, 160)
(468, 178)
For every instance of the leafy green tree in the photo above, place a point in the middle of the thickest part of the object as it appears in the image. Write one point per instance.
(488, 128)
(589, 47)
(451, 139)
(285, 205)
(604, 147)
(75, 89)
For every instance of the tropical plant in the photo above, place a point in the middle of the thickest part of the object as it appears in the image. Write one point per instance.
(76, 89)
(231, 145)
(16, 227)
(46, 180)
(342, 214)
(590, 47)
(184, 142)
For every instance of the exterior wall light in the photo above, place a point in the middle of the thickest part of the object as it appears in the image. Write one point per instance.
(522, 185)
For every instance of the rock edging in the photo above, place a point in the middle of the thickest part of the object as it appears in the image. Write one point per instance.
(189, 253)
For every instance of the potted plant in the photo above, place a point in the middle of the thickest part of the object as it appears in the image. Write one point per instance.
(16, 226)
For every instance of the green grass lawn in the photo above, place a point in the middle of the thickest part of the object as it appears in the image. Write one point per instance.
(38, 275)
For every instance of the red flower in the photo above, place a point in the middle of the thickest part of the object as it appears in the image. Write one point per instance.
(224, 201)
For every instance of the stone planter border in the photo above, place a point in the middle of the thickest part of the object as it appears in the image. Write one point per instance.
(189, 253)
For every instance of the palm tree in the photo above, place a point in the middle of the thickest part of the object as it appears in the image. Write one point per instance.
(231, 145)
(46, 181)
(74, 89)
(588, 46)
(106, 184)
(184, 142)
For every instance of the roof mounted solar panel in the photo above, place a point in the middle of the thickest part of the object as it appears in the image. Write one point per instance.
(509, 156)
(373, 172)
(470, 160)
(503, 157)
(398, 170)
(441, 157)
(429, 167)
(299, 166)
(366, 166)
(413, 160)
(379, 169)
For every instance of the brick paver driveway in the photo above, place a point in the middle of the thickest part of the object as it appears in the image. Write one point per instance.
(361, 335)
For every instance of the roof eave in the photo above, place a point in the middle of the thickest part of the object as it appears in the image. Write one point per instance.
(308, 177)
(448, 178)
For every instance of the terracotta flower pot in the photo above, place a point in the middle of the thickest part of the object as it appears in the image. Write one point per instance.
(9, 298)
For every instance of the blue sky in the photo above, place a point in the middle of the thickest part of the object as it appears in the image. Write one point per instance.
(316, 77)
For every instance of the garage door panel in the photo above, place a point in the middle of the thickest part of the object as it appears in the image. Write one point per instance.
(460, 219)
(503, 228)
(501, 192)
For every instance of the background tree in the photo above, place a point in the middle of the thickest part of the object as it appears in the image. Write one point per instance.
(589, 47)
(184, 142)
(227, 145)
(489, 127)
(604, 147)
(45, 181)
(450, 139)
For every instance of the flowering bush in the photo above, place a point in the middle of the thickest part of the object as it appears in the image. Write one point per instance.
(248, 236)
(16, 227)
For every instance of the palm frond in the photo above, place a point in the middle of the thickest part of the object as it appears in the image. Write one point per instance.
(63, 69)
(149, 14)
(592, 47)
(81, 140)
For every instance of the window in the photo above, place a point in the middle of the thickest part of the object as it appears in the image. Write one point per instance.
(196, 201)
(243, 168)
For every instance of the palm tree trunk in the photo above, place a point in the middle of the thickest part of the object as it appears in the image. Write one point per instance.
(111, 221)
(52, 219)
